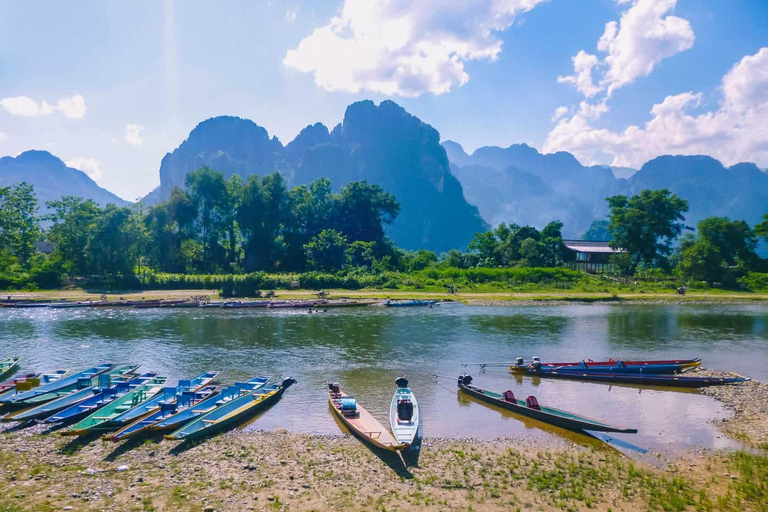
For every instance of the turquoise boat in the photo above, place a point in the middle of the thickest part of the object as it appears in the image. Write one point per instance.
(101, 420)
(8, 367)
(232, 412)
(63, 385)
(167, 394)
(409, 303)
(73, 397)
(167, 408)
(99, 398)
(183, 415)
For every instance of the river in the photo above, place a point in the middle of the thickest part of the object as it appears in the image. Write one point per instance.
(366, 349)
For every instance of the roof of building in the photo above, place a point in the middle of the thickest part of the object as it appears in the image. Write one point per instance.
(590, 246)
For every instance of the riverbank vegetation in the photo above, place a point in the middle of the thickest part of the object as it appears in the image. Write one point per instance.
(244, 236)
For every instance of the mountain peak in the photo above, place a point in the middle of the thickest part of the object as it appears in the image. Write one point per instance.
(39, 157)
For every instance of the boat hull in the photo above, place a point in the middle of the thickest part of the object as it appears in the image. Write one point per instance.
(680, 381)
(573, 422)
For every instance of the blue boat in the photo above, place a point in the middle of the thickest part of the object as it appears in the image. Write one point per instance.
(166, 395)
(615, 369)
(409, 303)
(87, 390)
(185, 415)
(65, 384)
(232, 412)
(99, 399)
(167, 409)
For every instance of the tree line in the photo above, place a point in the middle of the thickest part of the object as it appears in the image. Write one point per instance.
(234, 226)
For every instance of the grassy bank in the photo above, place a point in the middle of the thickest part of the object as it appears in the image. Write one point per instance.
(282, 471)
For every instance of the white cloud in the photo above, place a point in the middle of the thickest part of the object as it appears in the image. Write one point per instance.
(73, 107)
(645, 35)
(583, 63)
(3, 137)
(560, 112)
(405, 48)
(593, 111)
(290, 15)
(133, 134)
(89, 166)
(736, 131)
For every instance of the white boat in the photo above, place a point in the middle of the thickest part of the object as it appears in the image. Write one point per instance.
(404, 413)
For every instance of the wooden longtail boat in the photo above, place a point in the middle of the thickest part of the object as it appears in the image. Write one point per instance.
(359, 421)
(158, 303)
(78, 304)
(168, 408)
(64, 384)
(8, 367)
(404, 413)
(99, 397)
(90, 386)
(167, 394)
(532, 409)
(681, 381)
(174, 419)
(26, 382)
(536, 367)
(409, 303)
(232, 412)
(293, 304)
(102, 418)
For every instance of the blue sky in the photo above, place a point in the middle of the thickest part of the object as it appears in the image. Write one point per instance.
(111, 87)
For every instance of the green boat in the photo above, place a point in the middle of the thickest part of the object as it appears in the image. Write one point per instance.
(530, 407)
(101, 420)
(8, 367)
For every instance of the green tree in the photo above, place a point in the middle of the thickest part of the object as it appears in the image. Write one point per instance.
(20, 223)
(361, 211)
(646, 225)
(361, 254)
(761, 229)
(735, 240)
(326, 250)
(112, 248)
(531, 253)
(701, 261)
(208, 192)
(73, 221)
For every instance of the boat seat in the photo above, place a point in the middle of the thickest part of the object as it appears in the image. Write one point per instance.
(404, 411)
(532, 403)
(509, 396)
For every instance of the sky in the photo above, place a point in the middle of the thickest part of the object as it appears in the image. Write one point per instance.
(111, 87)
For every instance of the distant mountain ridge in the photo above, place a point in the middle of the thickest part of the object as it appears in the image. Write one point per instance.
(52, 178)
(382, 144)
(518, 184)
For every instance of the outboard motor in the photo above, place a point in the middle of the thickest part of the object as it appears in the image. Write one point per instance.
(290, 381)
(519, 361)
(402, 382)
(465, 380)
(536, 363)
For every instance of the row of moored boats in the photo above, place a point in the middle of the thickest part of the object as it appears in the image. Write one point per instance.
(119, 403)
(232, 304)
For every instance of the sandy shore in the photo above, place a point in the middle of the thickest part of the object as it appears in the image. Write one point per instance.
(282, 471)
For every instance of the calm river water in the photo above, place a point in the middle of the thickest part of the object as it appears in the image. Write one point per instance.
(366, 349)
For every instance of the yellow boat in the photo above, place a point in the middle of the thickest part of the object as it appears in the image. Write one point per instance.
(359, 421)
